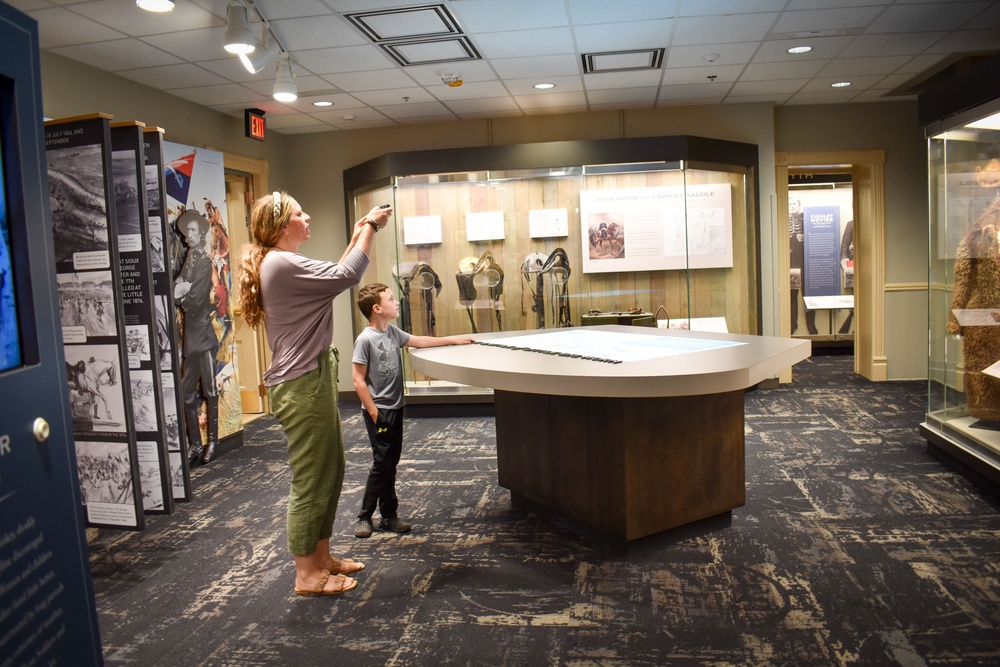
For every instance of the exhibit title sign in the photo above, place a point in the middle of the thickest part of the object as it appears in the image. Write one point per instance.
(657, 228)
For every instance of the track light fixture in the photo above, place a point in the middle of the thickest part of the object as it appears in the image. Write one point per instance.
(264, 52)
(285, 89)
(155, 5)
(239, 36)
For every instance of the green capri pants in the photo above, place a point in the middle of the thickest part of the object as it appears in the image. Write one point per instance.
(306, 408)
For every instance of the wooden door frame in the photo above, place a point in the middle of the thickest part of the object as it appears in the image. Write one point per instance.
(868, 176)
(258, 172)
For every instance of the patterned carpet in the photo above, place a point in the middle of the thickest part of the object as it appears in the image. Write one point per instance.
(855, 547)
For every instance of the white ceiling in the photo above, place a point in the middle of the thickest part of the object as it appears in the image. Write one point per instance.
(880, 46)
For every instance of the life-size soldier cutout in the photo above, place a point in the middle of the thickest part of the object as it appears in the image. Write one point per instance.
(193, 293)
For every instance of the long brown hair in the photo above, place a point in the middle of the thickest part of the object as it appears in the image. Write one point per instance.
(267, 220)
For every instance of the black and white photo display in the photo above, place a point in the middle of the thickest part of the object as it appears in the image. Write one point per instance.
(84, 223)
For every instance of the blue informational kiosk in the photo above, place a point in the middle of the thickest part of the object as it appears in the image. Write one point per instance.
(47, 611)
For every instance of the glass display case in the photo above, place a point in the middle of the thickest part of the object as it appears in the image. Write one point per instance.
(963, 390)
(655, 232)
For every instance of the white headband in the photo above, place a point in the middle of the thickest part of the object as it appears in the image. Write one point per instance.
(276, 196)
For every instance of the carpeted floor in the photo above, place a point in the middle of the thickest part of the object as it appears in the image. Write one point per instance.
(855, 547)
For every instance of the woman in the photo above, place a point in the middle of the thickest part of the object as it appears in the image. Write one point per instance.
(291, 296)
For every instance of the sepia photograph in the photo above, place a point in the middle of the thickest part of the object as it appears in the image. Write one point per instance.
(152, 180)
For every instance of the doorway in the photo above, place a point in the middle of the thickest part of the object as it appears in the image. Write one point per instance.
(244, 178)
(821, 256)
(867, 173)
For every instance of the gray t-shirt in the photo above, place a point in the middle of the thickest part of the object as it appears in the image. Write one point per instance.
(297, 294)
(379, 351)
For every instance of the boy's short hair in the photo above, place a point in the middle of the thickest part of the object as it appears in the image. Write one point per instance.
(369, 296)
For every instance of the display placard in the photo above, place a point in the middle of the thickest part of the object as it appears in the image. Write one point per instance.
(548, 223)
(822, 251)
(657, 228)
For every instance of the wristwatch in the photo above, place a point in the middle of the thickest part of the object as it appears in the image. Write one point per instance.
(372, 223)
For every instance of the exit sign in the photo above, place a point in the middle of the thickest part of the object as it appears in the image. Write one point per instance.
(253, 124)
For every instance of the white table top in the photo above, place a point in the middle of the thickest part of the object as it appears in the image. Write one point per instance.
(673, 373)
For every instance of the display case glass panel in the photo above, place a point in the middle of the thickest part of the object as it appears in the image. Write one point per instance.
(662, 243)
(963, 391)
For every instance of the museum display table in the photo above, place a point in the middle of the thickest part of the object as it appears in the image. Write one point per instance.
(638, 432)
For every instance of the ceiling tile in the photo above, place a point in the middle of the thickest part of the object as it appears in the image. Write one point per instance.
(714, 7)
(374, 80)
(694, 75)
(483, 105)
(910, 44)
(61, 27)
(699, 91)
(192, 45)
(736, 53)
(822, 49)
(230, 93)
(624, 96)
(758, 88)
(636, 79)
(113, 55)
(602, 12)
(128, 18)
(840, 18)
(510, 15)
(858, 82)
(623, 36)
(379, 98)
(553, 100)
(344, 59)
(861, 66)
(721, 29)
(524, 43)
(968, 41)
(802, 69)
(538, 66)
(925, 17)
(563, 84)
(173, 76)
(467, 90)
(417, 110)
(316, 32)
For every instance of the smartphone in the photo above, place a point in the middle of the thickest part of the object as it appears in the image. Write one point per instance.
(385, 205)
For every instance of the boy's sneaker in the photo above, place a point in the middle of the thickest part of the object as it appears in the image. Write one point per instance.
(363, 528)
(395, 525)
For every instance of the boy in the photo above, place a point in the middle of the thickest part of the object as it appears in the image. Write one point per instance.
(379, 383)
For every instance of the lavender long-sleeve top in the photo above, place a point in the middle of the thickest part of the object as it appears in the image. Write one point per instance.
(297, 294)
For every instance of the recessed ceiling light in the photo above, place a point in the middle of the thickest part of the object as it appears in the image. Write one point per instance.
(840, 84)
(800, 49)
(156, 5)
(323, 103)
(544, 86)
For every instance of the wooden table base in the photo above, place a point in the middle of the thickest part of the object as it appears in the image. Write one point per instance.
(625, 467)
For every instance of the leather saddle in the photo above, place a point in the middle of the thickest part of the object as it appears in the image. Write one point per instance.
(488, 267)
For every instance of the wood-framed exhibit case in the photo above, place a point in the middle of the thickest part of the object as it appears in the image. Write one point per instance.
(625, 431)
(553, 235)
